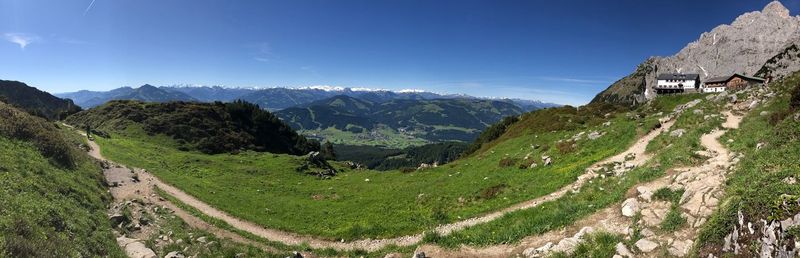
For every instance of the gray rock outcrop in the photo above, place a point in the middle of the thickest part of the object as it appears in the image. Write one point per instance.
(743, 47)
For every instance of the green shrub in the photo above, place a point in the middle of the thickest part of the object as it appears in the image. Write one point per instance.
(507, 162)
(16, 124)
(794, 99)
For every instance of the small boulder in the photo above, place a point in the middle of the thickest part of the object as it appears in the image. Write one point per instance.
(594, 135)
(174, 254)
(623, 251)
(546, 160)
(644, 193)
(646, 245)
(566, 245)
(677, 132)
(630, 207)
(680, 248)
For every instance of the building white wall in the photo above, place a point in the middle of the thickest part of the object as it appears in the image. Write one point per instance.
(674, 84)
(713, 89)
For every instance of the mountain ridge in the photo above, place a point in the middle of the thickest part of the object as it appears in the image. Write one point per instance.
(280, 97)
(35, 101)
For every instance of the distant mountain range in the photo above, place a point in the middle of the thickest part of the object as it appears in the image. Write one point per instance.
(147, 93)
(267, 98)
(345, 115)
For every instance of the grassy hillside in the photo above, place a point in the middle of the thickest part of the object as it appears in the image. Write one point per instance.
(759, 186)
(52, 198)
(601, 192)
(264, 188)
(380, 158)
(34, 101)
(207, 127)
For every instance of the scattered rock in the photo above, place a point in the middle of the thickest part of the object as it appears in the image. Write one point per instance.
(538, 252)
(135, 248)
(790, 180)
(764, 113)
(630, 207)
(645, 245)
(566, 245)
(174, 254)
(201, 239)
(697, 111)
(760, 145)
(546, 160)
(680, 248)
(677, 132)
(623, 251)
(607, 123)
(703, 154)
(594, 135)
(644, 193)
(753, 104)
(393, 255)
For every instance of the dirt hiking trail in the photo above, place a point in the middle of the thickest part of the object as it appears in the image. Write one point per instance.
(703, 188)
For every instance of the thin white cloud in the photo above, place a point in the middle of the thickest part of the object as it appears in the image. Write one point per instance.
(263, 52)
(21, 39)
(88, 8)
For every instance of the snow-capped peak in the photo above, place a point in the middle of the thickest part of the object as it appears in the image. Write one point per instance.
(323, 88)
(411, 91)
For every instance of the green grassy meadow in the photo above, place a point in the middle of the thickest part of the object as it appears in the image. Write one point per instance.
(265, 189)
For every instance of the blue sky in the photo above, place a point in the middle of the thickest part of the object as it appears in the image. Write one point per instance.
(561, 51)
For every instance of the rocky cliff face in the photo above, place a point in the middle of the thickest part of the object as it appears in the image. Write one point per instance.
(782, 64)
(741, 47)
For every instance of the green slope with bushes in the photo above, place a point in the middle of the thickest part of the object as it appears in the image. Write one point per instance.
(52, 197)
(34, 101)
(207, 127)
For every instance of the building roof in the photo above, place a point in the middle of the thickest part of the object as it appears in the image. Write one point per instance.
(678, 76)
(719, 79)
